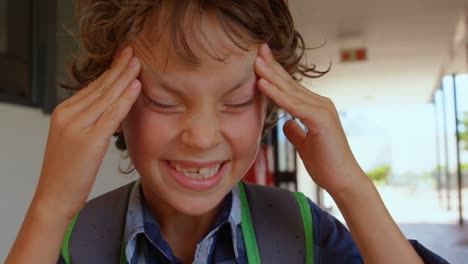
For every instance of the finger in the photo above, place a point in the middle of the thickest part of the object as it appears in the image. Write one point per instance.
(286, 84)
(309, 112)
(273, 71)
(266, 57)
(290, 103)
(294, 133)
(78, 95)
(100, 104)
(274, 68)
(265, 71)
(111, 119)
(96, 88)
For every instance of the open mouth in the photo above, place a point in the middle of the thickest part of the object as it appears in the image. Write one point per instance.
(197, 173)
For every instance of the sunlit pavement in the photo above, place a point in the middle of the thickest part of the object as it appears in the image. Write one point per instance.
(423, 216)
(422, 205)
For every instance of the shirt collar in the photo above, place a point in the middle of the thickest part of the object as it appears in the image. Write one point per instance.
(136, 217)
(134, 221)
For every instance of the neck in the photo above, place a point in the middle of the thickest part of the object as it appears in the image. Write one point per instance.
(180, 230)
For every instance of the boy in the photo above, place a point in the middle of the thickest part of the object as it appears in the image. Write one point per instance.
(190, 87)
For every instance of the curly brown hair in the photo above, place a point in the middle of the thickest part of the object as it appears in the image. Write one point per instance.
(105, 26)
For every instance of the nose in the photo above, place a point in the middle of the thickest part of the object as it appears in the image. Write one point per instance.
(202, 132)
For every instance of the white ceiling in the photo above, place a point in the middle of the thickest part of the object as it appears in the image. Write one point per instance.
(408, 43)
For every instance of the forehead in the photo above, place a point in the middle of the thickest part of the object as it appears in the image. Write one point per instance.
(204, 35)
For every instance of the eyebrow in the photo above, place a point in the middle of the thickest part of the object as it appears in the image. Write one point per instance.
(166, 86)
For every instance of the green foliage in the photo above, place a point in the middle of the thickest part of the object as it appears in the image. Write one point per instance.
(464, 166)
(464, 133)
(379, 174)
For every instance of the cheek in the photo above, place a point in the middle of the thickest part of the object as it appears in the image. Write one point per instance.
(244, 131)
(143, 130)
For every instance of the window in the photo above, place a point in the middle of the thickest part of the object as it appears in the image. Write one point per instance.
(15, 50)
(27, 52)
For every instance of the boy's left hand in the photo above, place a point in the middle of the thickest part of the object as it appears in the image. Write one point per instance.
(324, 148)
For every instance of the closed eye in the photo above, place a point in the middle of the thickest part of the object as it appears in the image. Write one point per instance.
(159, 105)
(241, 105)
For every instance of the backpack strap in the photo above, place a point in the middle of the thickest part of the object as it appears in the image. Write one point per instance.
(96, 235)
(282, 225)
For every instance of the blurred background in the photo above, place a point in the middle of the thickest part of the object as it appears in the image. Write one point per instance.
(399, 79)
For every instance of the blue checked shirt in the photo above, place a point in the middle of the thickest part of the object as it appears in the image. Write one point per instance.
(224, 243)
(145, 244)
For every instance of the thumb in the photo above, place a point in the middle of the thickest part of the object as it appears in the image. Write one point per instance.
(294, 133)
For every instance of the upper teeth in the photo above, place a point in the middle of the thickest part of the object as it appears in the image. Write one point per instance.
(196, 173)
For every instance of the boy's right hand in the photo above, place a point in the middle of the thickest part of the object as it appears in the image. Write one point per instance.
(80, 130)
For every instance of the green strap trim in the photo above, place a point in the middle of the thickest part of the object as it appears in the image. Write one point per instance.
(65, 251)
(65, 245)
(304, 207)
(123, 255)
(250, 241)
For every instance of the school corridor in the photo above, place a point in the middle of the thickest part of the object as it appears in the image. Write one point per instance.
(398, 78)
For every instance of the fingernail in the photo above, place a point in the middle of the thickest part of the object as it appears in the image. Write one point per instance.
(267, 48)
(260, 61)
(134, 61)
(135, 84)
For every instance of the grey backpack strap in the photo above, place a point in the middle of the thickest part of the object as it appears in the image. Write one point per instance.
(277, 222)
(98, 232)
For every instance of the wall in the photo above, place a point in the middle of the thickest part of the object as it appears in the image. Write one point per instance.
(23, 139)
